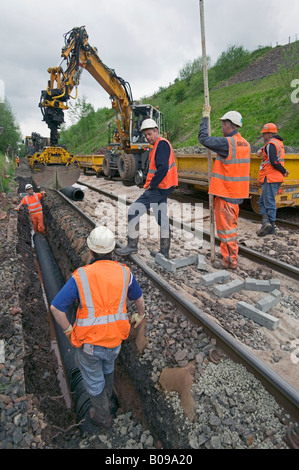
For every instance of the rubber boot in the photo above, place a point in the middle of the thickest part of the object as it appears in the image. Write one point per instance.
(131, 247)
(112, 398)
(265, 228)
(100, 411)
(164, 247)
(108, 389)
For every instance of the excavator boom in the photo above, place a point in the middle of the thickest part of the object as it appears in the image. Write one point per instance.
(127, 139)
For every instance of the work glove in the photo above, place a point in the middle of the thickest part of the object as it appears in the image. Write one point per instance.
(206, 110)
(137, 319)
(68, 333)
(16, 209)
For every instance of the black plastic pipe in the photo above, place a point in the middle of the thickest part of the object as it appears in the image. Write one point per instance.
(53, 282)
(76, 194)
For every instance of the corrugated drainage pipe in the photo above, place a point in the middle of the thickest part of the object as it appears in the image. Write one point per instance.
(53, 282)
(76, 194)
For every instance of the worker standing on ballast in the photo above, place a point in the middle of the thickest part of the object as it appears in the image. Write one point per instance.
(102, 321)
(230, 179)
(271, 175)
(32, 201)
(162, 178)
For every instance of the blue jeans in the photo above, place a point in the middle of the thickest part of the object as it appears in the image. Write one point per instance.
(267, 199)
(151, 198)
(95, 362)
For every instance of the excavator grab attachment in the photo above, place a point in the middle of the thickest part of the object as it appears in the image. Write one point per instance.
(54, 168)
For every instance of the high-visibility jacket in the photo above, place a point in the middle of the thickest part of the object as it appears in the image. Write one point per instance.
(266, 169)
(230, 177)
(33, 203)
(171, 179)
(102, 313)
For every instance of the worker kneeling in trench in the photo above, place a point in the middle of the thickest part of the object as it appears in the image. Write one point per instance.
(102, 322)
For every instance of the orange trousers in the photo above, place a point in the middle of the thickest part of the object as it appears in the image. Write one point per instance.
(226, 218)
(38, 222)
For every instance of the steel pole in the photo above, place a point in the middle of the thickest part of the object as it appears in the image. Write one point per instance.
(207, 103)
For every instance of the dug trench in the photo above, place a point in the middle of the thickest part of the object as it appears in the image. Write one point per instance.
(134, 389)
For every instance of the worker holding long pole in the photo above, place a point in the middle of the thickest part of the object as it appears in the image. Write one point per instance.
(229, 182)
(207, 104)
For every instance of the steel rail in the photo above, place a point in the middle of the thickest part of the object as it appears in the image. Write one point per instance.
(285, 394)
(257, 257)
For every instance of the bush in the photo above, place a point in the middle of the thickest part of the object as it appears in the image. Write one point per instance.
(230, 62)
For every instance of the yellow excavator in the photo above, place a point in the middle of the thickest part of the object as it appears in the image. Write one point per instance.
(127, 154)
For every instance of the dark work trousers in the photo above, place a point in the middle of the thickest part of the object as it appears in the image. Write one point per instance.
(151, 198)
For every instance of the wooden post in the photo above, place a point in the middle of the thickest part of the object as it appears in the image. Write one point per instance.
(207, 102)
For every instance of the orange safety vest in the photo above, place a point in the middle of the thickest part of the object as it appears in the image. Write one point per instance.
(266, 169)
(171, 179)
(34, 206)
(102, 313)
(230, 177)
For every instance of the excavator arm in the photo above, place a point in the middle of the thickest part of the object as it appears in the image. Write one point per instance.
(128, 152)
(80, 55)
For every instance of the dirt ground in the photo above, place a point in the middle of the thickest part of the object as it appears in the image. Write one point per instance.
(40, 362)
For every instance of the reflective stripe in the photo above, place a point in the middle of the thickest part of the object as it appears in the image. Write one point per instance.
(231, 178)
(226, 232)
(227, 240)
(266, 161)
(152, 172)
(37, 204)
(101, 319)
(233, 159)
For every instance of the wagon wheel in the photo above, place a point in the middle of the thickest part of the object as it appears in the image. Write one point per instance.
(126, 167)
(106, 167)
(254, 203)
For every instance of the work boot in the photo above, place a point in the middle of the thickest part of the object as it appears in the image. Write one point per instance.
(272, 230)
(265, 228)
(100, 411)
(132, 247)
(221, 264)
(108, 389)
(164, 247)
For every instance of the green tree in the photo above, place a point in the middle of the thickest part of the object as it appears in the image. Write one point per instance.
(11, 135)
(192, 68)
(231, 61)
(80, 109)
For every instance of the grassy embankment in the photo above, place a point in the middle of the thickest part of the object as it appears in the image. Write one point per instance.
(259, 101)
(6, 173)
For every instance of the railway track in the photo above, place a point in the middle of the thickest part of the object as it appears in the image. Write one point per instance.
(224, 339)
(257, 256)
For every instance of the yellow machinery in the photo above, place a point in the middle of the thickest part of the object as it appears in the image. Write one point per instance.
(193, 171)
(92, 162)
(128, 152)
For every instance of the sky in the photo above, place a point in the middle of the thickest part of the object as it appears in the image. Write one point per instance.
(147, 42)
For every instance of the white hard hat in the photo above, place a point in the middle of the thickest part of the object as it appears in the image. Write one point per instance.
(28, 186)
(101, 240)
(148, 124)
(234, 117)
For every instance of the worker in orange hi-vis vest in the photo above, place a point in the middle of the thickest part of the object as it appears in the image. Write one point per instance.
(230, 180)
(32, 201)
(161, 180)
(102, 320)
(271, 175)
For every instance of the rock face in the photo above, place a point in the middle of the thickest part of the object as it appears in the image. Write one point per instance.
(267, 64)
